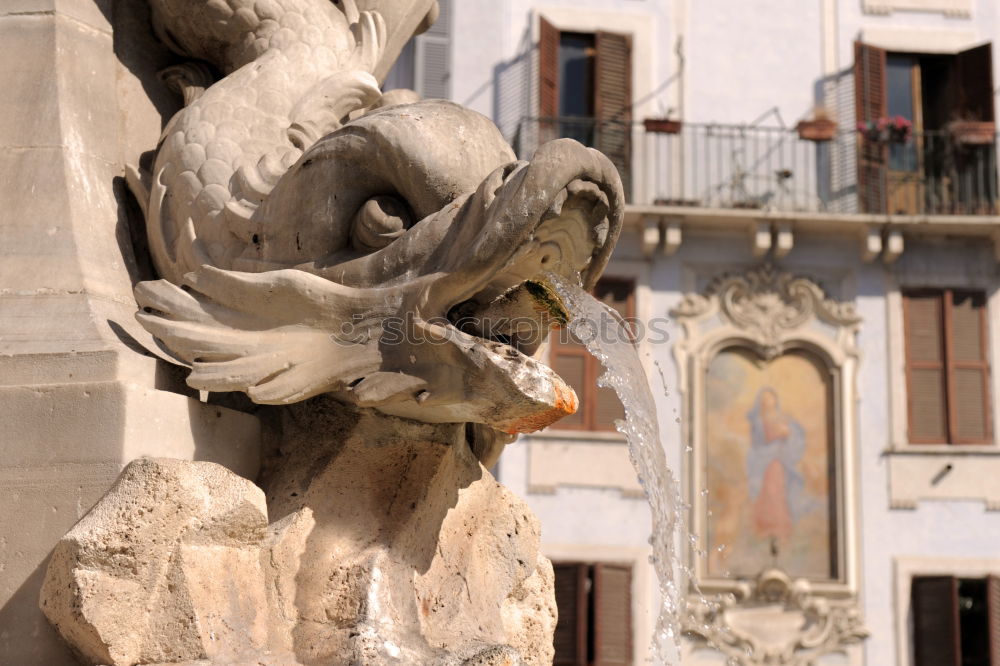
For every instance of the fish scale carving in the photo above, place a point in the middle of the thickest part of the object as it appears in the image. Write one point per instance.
(231, 144)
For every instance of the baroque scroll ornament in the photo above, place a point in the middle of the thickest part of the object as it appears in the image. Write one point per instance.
(766, 304)
(822, 625)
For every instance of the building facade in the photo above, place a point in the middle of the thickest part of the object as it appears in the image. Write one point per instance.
(811, 252)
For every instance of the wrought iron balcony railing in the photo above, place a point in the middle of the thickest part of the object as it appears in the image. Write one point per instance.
(951, 172)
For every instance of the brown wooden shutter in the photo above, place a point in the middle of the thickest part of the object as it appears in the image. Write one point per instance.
(607, 408)
(570, 639)
(548, 69)
(870, 104)
(927, 402)
(974, 70)
(612, 615)
(599, 407)
(993, 617)
(968, 367)
(570, 360)
(613, 102)
(619, 295)
(934, 601)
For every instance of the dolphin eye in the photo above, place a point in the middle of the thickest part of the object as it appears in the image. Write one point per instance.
(380, 220)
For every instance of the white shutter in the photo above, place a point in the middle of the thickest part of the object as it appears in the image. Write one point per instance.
(432, 57)
(843, 166)
(402, 73)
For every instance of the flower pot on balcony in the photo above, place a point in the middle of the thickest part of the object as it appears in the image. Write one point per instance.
(662, 125)
(821, 129)
(887, 130)
(972, 132)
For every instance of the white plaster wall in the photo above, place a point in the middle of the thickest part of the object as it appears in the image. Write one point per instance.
(745, 58)
(741, 59)
(479, 31)
(588, 516)
(493, 53)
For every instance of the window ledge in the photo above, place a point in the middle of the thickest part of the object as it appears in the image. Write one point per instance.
(922, 472)
(579, 435)
(943, 450)
(582, 459)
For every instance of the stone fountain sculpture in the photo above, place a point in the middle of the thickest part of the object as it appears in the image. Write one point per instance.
(371, 268)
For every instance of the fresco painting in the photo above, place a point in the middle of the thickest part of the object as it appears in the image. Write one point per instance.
(769, 466)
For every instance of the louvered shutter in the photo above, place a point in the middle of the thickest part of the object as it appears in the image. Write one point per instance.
(613, 102)
(548, 69)
(968, 368)
(570, 638)
(869, 105)
(975, 83)
(570, 361)
(432, 55)
(934, 601)
(402, 73)
(925, 367)
(612, 615)
(993, 617)
(548, 80)
(599, 406)
(619, 295)
(607, 407)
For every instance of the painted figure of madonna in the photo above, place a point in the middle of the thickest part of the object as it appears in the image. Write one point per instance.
(768, 465)
(773, 479)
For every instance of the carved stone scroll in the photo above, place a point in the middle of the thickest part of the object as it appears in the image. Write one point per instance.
(803, 625)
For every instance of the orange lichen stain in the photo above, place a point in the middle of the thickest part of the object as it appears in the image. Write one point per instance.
(565, 403)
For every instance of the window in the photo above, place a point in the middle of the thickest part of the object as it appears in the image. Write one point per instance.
(423, 64)
(599, 406)
(585, 91)
(595, 614)
(956, 621)
(948, 165)
(947, 371)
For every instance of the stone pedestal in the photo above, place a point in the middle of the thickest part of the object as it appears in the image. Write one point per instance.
(80, 397)
(388, 543)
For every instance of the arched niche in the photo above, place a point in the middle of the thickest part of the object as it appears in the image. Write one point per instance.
(767, 367)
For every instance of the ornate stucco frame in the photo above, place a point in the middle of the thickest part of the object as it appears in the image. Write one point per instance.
(770, 312)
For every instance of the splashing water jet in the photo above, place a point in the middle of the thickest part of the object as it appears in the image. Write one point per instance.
(588, 319)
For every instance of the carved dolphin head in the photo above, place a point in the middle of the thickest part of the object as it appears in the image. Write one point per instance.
(400, 264)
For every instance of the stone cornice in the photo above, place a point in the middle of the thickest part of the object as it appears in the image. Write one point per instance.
(773, 231)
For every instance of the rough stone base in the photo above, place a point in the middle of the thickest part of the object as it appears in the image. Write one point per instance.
(390, 543)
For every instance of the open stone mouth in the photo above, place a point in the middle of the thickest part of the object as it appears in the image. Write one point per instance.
(517, 307)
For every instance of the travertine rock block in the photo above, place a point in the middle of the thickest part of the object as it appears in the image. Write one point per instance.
(166, 567)
(418, 556)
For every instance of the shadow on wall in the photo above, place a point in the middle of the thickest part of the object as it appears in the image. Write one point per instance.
(512, 88)
(142, 54)
(22, 622)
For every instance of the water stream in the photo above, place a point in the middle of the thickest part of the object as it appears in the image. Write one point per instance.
(602, 330)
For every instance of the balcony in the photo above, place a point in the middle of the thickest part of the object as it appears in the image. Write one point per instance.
(711, 166)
